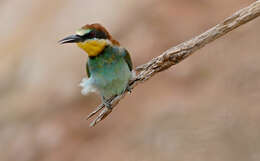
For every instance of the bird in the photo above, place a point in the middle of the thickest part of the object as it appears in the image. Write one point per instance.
(109, 67)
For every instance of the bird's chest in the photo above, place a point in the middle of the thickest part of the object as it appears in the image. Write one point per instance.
(104, 64)
(108, 68)
(110, 73)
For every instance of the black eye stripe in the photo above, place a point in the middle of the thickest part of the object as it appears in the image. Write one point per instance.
(94, 34)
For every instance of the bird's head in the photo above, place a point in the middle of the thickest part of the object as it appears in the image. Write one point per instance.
(91, 38)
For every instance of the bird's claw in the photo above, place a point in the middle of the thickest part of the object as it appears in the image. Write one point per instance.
(107, 104)
(101, 115)
(104, 113)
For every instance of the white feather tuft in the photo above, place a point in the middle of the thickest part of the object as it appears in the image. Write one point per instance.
(87, 86)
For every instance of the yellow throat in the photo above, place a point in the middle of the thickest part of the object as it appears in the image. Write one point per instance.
(93, 47)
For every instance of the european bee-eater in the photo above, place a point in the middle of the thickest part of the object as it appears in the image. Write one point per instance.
(109, 66)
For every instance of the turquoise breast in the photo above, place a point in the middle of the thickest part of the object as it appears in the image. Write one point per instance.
(110, 72)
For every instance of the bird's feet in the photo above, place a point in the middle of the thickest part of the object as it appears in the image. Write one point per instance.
(106, 108)
(107, 103)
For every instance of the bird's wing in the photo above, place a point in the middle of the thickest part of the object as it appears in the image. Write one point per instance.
(128, 60)
(87, 70)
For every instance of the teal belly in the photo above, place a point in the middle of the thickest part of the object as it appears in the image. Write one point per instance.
(110, 76)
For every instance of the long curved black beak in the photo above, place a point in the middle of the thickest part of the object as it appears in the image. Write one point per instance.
(71, 39)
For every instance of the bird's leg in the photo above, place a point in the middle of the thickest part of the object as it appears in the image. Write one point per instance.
(106, 111)
(107, 103)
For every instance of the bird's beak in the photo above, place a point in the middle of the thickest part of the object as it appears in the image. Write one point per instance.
(71, 39)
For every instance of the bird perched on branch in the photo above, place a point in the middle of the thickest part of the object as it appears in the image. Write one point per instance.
(109, 67)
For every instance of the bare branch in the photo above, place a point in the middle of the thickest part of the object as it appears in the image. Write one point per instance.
(180, 52)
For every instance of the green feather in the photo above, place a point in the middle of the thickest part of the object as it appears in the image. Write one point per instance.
(110, 71)
(87, 69)
(128, 60)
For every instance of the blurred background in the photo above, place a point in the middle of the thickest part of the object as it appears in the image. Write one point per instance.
(205, 108)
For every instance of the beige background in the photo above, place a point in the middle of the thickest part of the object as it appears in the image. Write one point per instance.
(205, 108)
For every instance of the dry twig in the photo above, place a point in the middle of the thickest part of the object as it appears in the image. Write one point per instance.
(178, 53)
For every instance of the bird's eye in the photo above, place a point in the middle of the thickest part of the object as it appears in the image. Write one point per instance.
(92, 34)
(89, 35)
